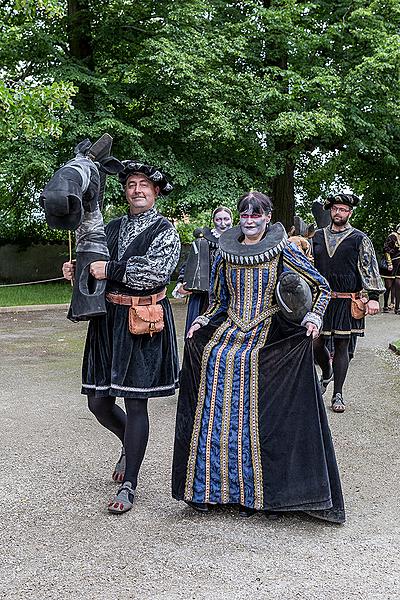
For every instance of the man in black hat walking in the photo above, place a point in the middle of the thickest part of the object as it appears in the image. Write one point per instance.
(129, 353)
(345, 256)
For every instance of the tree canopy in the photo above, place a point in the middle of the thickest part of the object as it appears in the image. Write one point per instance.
(293, 98)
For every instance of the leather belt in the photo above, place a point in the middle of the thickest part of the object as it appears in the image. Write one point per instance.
(352, 295)
(136, 300)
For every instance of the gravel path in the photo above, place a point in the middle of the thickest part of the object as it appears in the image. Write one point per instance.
(58, 541)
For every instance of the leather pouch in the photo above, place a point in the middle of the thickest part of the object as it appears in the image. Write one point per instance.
(145, 319)
(358, 308)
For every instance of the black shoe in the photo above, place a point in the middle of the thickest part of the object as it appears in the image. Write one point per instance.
(325, 382)
(198, 506)
(246, 511)
(272, 515)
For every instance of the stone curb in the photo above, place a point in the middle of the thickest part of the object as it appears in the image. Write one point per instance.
(38, 307)
(32, 308)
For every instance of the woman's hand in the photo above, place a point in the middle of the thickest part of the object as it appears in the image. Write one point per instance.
(312, 329)
(68, 270)
(182, 291)
(192, 329)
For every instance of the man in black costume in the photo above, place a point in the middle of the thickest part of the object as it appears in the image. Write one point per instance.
(345, 256)
(144, 250)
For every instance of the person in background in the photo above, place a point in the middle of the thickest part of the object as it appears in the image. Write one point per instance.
(199, 300)
(346, 257)
(390, 271)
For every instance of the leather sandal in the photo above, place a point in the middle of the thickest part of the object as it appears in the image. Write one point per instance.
(337, 403)
(123, 499)
(119, 470)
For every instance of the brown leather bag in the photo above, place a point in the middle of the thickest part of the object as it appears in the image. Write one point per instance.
(358, 307)
(147, 319)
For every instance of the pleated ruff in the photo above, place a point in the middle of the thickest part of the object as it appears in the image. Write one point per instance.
(339, 322)
(117, 363)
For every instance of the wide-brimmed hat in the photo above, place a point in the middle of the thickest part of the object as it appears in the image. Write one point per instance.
(156, 176)
(350, 200)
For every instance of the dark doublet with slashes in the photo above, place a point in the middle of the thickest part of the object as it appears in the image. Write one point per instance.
(144, 251)
(251, 427)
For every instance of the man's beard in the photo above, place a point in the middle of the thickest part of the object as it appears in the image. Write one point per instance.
(341, 221)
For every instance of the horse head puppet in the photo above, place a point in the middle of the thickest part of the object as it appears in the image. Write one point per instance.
(72, 199)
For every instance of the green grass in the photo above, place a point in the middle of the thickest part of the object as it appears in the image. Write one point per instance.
(42, 293)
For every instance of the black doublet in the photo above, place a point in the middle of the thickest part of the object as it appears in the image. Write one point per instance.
(117, 363)
(341, 271)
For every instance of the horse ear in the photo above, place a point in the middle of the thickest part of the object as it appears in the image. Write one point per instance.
(83, 146)
(110, 165)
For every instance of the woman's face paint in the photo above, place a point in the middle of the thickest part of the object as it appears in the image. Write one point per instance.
(222, 221)
(253, 224)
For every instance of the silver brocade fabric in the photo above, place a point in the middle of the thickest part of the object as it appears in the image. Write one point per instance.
(156, 266)
(367, 262)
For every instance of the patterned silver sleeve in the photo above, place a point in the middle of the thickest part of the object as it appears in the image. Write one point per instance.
(156, 266)
(368, 267)
(312, 317)
(201, 320)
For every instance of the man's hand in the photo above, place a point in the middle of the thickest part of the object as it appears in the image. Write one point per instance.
(312, 329)
(193, 328)
(98, 269)
(68, 270)
(372, 307)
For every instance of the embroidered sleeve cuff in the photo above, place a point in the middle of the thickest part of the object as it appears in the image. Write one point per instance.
(176, 293)
(116, 270)
(312, 317)
(201, 320)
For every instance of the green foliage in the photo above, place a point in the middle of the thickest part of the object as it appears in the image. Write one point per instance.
(223, 95)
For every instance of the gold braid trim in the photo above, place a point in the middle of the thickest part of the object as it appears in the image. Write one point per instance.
(194, 442)
(226, 414)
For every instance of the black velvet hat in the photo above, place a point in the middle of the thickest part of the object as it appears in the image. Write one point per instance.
(155, 175)
(350, 200)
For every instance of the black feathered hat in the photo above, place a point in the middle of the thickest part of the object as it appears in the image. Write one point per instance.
(156, 176)
(350, 200)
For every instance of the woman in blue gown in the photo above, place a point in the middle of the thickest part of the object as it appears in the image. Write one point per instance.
(251, 427)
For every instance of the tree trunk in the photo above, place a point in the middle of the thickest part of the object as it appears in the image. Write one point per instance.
(283, 184)
(80, 43)
(283, 195)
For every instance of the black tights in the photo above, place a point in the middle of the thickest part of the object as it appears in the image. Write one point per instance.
(132, 428)
(392, 285)
(340, 361)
